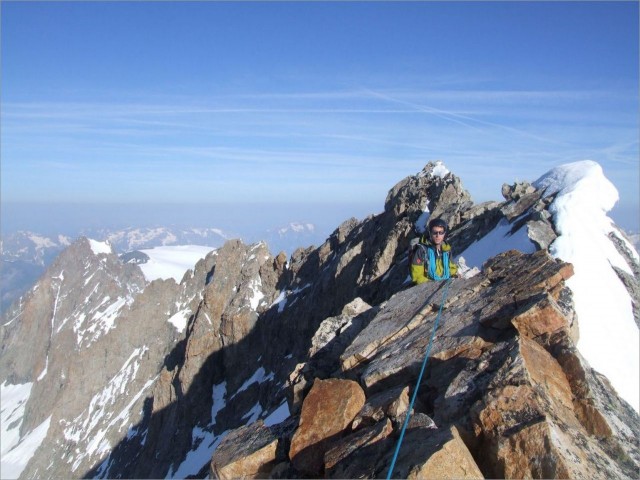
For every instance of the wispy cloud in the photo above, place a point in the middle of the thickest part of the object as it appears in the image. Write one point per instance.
(366, 136)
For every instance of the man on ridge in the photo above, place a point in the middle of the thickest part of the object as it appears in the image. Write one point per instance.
(431, 257)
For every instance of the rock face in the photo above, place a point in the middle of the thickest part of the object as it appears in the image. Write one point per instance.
(248, 452)
(328, 409)
(306, 368)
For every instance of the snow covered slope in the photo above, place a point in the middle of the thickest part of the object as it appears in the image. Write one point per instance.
(172, 261)
(609, 336)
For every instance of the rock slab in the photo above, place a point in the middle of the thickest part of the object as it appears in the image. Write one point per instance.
(328, 409)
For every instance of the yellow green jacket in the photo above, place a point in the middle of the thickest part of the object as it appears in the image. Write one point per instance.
(419, 261)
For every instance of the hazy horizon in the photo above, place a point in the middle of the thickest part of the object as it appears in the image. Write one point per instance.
(236, 219)
(240, 219)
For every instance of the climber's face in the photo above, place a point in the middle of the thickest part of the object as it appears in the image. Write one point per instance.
(437, 235)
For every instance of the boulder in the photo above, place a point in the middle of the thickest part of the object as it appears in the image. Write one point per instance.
(364, 439)
(390, 403)
(248, 452)
(452, 460)
(327, 411)
(428, 453)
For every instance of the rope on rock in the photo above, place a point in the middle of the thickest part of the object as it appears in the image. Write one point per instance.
(415, 390)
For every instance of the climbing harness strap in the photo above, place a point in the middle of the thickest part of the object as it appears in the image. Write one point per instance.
(415, 390)
(432, 265)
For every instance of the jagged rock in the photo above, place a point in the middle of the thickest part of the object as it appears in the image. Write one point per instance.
(299, 386)
(334, 326)
(532, 278)
(363, 439)
(517, 190)
(630, 280)
(450, 459)
(333, 336)
(539, 315)
(328, 409)
(464, 271)
(447, 199)
(248, 452)
(280, 262)
(528, 413)
(424, 453)
(392, 403)
(521, 203)
(541, 233)
(516, 293)
(356, 307)
(475, 222)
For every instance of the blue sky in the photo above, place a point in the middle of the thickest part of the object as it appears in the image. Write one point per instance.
(321, 103)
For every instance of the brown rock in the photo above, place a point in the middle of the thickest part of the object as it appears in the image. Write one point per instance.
(591, 418)
(359, 439)
(328, 409)
(280, 262)
(248, 452)
(429, 453)
(531, 453)
(528, 431)
(540, 316)
(546, 373)
(451, 461)
(391, 403)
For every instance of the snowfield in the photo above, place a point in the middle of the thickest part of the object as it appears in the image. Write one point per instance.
(172, 261)
(16, 452)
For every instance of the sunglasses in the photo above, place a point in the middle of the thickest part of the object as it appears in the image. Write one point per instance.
(437, 232)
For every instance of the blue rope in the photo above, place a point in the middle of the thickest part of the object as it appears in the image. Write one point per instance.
(432, 265)
(415, 391)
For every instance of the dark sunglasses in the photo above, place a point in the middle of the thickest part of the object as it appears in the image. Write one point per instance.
(437, 232)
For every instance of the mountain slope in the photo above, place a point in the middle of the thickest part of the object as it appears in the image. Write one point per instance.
(25, 255)
(144, 399)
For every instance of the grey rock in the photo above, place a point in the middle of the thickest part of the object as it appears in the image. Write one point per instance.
(248, 452)
(630, 280)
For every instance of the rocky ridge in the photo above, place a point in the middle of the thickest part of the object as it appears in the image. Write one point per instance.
(305, 367)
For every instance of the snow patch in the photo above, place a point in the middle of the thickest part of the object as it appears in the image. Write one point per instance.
(172, 261)
(253, 414)
(497, 241)
(179, 320)
(91, 427)
(279, 415)
(259, 376)
(13, 400)
(439, 170)
(205, 444)
(256, 293)
(218, 400)
(281, 301)
(103, 318)
(100, 247)
(15, 452)
(283, 298)
(15, 461)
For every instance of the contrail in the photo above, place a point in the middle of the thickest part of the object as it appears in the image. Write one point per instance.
(453, 117)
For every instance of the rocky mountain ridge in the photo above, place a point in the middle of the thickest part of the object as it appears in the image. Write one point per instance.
(25, 254)
(222, 373)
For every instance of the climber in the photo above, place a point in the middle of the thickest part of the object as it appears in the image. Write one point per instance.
(430, 256)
